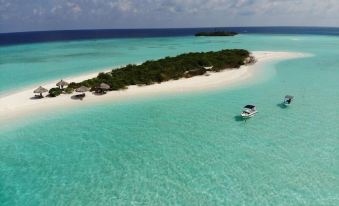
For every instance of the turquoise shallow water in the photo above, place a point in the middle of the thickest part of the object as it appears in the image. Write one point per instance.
(34, 64)
(189, 149)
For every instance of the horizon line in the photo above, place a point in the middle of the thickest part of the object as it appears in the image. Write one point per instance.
(163, 28)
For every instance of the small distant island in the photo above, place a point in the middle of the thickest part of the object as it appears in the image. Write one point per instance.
(217, 33)
(169, 68)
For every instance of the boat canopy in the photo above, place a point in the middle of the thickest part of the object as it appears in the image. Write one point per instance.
(289, 97)
(249, 107)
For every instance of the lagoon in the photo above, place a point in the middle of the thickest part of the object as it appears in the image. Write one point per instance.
(188, 149)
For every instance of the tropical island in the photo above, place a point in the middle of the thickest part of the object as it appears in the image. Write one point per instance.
(169, 68)
(209, 70)
(217, 33)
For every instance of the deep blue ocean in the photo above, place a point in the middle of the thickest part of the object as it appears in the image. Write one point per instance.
(67, 35)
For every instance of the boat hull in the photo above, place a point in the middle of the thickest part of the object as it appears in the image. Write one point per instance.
(286, 103)
(247, 115)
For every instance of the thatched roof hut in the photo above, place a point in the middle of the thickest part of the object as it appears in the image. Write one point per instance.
(82, 89)
(104, 86)
(40, 90)
(62, 83)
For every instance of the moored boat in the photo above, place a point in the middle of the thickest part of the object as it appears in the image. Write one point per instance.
(288, 100)
(249, 111)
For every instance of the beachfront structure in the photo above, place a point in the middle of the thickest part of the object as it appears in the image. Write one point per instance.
(248, 111)
(81, 90)
(61, 84)
(102, 88)
(39, 91)
(288, 99)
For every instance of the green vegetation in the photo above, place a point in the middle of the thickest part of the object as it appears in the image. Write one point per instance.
(216, 33)
(55, 92)
(69, 90)
(169, 68)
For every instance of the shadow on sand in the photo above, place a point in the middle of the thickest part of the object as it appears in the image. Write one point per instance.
(42, 97)
(77, 97)
(36, 97)
(98, 93)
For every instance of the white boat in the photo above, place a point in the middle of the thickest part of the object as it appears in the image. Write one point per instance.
(288, 100)
(208, 68)
(249, 111)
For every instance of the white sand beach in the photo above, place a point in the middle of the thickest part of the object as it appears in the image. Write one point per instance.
(21, 103)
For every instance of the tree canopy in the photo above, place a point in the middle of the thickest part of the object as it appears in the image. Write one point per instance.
(217, 33)
(169, 68)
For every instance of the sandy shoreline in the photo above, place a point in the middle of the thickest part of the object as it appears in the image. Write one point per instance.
(20, 103)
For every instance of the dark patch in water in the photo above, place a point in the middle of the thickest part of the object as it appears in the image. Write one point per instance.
(71, 35)
(282, 105)
(239, 118)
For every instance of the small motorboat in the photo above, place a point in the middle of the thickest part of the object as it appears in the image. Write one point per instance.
(288, 100)
(249, 111)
